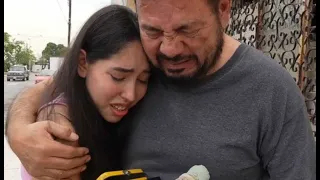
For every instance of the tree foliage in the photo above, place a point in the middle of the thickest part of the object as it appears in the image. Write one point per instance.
(52, 50)
(16, 52)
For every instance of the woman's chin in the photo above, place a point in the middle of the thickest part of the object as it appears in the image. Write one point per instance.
(112, 119)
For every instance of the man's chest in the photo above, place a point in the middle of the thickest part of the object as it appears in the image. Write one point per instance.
(173, 133)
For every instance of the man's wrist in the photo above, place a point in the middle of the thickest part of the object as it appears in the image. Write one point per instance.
(15, 127)
(13, 136)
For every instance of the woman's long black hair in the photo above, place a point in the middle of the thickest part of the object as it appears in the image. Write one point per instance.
(104, 34)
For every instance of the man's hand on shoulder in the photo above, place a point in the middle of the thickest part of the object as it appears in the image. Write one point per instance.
(41, 154)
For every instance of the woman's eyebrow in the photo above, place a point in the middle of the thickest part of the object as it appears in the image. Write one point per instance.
(121, 69)
(128, 70)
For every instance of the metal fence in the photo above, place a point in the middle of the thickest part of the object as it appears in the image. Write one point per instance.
(285, 31)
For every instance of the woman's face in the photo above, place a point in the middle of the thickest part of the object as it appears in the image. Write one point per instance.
(118, 83)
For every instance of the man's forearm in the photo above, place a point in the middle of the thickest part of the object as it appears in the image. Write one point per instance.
(24, 108)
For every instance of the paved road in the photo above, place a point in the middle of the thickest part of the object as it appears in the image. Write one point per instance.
(11, 162)
(12, 88)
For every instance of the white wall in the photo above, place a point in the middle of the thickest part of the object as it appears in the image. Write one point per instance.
(120, 2)
(55, 62)
(36, 68)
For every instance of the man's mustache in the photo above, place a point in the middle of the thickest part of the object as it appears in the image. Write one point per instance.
(161, 57)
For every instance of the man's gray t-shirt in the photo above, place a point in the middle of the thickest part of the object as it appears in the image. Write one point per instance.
(246, 121)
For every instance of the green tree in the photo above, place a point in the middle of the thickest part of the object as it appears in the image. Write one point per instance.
(42, 62)
(53, 50)
(16, 52)
(8, 51)
(25, 56)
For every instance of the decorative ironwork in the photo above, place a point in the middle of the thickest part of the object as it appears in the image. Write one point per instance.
(285, 31)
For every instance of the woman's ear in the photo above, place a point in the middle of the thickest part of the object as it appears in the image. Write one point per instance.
(82, 64)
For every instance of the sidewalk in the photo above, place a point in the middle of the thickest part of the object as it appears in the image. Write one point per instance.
(11, 163)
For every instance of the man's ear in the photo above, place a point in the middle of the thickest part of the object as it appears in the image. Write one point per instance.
(82, 64)
(224, 12)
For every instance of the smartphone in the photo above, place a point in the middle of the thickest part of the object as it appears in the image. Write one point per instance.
(131, 174)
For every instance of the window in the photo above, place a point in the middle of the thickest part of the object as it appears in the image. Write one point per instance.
(17, 68)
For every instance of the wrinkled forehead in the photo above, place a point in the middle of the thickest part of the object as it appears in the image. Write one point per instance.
(165, 12)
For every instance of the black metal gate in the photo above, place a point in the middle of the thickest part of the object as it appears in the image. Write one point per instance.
(284, 30)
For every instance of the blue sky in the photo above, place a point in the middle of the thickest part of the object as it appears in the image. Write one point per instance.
(38, 22)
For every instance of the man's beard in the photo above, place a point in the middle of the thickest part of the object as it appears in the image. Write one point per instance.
(202, 69)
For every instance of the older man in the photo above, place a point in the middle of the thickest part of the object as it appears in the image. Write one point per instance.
(212, 101)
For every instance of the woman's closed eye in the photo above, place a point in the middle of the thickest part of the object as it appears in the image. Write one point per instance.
(143, 81)
(117, 78)
(143, 78)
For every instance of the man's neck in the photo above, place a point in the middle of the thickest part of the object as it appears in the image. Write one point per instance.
(229, 48)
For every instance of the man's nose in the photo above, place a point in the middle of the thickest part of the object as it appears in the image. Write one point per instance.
(171, 46)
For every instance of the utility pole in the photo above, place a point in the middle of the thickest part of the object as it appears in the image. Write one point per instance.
(69, 23)
(27, 49)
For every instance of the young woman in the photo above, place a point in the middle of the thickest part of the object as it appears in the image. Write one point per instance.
(104, 74)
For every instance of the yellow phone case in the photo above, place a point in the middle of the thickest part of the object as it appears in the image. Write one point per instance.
(129, 172)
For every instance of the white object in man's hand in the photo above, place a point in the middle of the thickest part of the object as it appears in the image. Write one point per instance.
(197, 172)
(42, 156)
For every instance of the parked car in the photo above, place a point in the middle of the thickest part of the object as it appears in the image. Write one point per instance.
(18, 72)
(43, 75)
